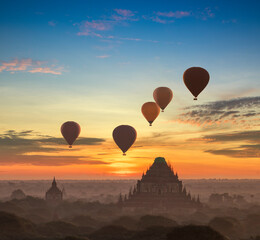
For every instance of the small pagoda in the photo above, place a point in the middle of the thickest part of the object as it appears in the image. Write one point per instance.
(159, 188)
(54, 195)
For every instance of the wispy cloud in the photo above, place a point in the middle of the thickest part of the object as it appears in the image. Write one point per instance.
(251, 149)
(137, 39)
(28, 65)
(27, 147)
(131, 39)
(52, 23)
(167, 17)
(32, 138)
(236, 111)
(103, 56)
(40, 160)
(156, 19)
(176, 14)
(240, 152)
(46, 70)
(229, 21)
(124, 15)
(171, 16)
(204, 14)
(124, 12)
(159, 20)
(95, 28)
(250, 136)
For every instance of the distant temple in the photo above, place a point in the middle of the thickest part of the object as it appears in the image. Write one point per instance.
(159, 188)
(54, 194)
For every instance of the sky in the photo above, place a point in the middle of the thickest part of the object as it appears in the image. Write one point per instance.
(97, 62)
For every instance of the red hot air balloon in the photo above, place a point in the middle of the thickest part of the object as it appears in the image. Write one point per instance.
(150, 111)
(196, 79)
(124, 136)
(162, 96)
(70, 131)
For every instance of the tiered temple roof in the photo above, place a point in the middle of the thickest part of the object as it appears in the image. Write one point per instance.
(158, 188)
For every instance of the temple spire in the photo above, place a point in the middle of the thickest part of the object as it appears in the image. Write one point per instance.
(54, 184)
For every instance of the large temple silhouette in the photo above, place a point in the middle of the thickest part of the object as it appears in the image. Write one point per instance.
(159, 188)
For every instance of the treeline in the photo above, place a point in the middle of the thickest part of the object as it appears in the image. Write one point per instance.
(13, 227)
(33, 218)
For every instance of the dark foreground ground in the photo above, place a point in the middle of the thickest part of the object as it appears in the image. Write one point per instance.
(32, 218)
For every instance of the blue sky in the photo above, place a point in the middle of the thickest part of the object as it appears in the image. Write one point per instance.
(151, 43)
(97, 62)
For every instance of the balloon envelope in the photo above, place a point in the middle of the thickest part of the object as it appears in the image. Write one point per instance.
(162, 96)
(124, 136)
(70, 131)
(150, 111)
(196, 79)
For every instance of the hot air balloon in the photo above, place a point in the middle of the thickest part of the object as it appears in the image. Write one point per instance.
(196, 79)
(162, 96)
(150, 111)
(70, 131)
(124, 136)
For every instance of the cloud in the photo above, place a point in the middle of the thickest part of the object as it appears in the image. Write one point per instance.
(92, 28)
(159, 20)
(157, 140)
(204, 14)
(236, 111)
(251, 136)
(167, 17)
(251, 150)
(46, 70)
(132, 39)
(95, 28)
(28, 65)
(241, 152)
(103, 56)
(229, 21)
(39, 160)
(124, 12)
(20, 147)
(177, 14)
(31, 138)
(124, 15)
(137, 39)
(52, 23)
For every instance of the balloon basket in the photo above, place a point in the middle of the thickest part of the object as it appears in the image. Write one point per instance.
(70, 146)
(195, 98)
(124, 154)
(162, 110)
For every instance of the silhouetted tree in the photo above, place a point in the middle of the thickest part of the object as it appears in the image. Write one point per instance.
(194, 233)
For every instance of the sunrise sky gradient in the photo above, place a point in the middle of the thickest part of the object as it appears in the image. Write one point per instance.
(97, 62)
